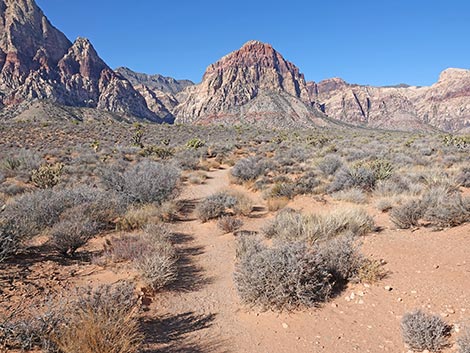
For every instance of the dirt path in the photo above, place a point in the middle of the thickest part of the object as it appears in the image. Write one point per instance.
(203, 313)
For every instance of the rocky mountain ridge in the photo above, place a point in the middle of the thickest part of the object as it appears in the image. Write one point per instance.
(254, 84)
(444, 105)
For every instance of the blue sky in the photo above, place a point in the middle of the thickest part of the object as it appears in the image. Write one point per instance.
(368, 42)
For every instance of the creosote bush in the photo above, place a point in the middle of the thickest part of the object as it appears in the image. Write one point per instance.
(291, 274)
(407, 215)
(73, 230)
(219, 204)
(145, 182)
(424, 331)
(150, 252)
(249, 168)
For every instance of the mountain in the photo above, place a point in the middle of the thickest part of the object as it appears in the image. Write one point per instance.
(159, 91)
(445, 105)
(38, 62)
(254, 84)
(154, 82)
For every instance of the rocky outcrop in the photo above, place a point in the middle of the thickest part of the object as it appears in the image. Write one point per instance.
(154, 82)
(38, 62)
(252, 84)
(444, 105)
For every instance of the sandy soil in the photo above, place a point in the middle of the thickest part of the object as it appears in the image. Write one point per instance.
(202, 311)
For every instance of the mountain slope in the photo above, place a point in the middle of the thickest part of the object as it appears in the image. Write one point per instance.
(37, 61)
(444, 105)
(253, 84)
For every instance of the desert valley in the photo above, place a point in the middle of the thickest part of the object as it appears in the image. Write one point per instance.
(254, 211)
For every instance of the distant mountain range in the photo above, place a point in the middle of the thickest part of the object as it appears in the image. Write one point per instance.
(253, 85)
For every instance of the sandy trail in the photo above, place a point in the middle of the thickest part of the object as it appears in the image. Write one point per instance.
(203, 312)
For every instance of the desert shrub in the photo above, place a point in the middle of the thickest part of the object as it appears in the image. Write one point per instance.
(219, 203)
(463, 178)
(464, 341)
(197, 178)
(12, 189)
(104, 321)
(195, 143)
(72, 231)
(346, 178)
(292, 225)
(9, 241)
(306, 183)
(249, 168)
(47, 176)
(150, 252)
(382, 168)
(31, 213)
(2, 177)
(352, 195)
(445, 207)
(291, 156)
(384, 205)
(370, 271)
(100, 320)
(215, 206)
(424, 331)
(137, 217)
(145, 182)
(407, 215)
(188, 159)
(169, 211)
(395, 185)
(248, 243)
(22, 163)
(282, 190)
(229, 224)
(330, 164)
(284, 277)
(340, 257)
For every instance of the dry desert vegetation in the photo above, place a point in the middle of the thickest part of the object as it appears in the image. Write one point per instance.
(146, 238)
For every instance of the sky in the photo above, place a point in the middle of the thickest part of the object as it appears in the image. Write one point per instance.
(381, 42)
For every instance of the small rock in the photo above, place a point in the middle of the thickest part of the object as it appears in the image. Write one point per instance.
(450, 311)
(360, 301)
(400, 299)
(352, 296)
(366, 285)
(334, 305)
(285, 325)
(388, 288)
(360, 293)
(436, 266)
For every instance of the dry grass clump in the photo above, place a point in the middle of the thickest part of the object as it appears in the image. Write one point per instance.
(371, 271)
(276, 203)
(150, 252)
(464, 341)
(424, 331)
(330, 164)
(292, 225)
(353, 195)
(137, 217)
(229, 224)
(100, 320)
